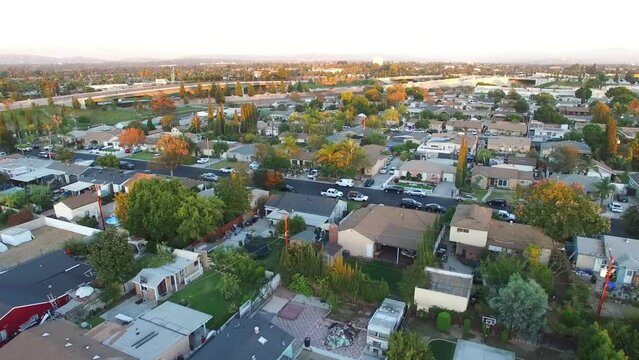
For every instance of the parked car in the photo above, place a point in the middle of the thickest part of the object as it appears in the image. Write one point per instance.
(408, 253)
(47, 147)
(369, 182)
(416, 192)
(466, 197)
(357, 196)
(615, 207)
(227, 170)
(24, 147)
(3, 153)
(125, 165)
(209, 177)
(312, 174)
(287, 188)
(505, 215)
(410, 203)
(622, 198)
(436, 208)
(345, 182)
(383, 170)
(394, 188)
(202, 160)
(254, 166)
(497, 202)
(392, 169)
(43, 154)
(331, 192)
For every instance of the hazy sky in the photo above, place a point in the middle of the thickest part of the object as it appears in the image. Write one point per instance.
(118, 29)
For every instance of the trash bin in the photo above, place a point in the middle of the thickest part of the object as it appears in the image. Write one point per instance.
(346, 254)
(307, 342)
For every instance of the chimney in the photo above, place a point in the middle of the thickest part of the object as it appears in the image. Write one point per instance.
(332, 233)
(257, 329)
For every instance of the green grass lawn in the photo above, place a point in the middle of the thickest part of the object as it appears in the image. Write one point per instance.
(442, 349)
(479, 194)
(379, 270)
(223, 164)
(501, 194)
(145, 156)
(353, 205)
(415, 186)
(272, 261)
(95, 320)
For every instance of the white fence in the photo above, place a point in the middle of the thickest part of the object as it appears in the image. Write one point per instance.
(58, 224)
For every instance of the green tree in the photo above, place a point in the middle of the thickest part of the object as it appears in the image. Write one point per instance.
(604, 189)
(229, 286)
(16, 200)
(219, 148)
(108, 160)
(250, 90)
(564, 159)
(545, 99)
(75, 103)
(560, 210)
(625, 336)
(460, 175)
(584, 94)
(408, 346)
(443, 321)
(548, 114)
(630, 77)
(239, 91)
(484, 155)
(596, 344)
(197, 217)
(413, 276)
(521, 106)
(496, 271)
(296, 225)
(520, 306)
(182, 92)
(376, 137)
(149, 125)
(631, 220)
(235, 195)
(112, 257)
(41, 195)
(594, 136)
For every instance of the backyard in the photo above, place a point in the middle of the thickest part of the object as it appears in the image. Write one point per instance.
(378, 270)
(442, 349)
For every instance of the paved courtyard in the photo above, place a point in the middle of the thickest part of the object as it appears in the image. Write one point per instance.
(129, 308)
(260, 228)
(354, 351)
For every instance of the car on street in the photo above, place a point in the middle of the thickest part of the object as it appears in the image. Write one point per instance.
(312, 174)
(357, 196)
(345, 182)
(408, 253)
(3, 153)
(331, 192)
(24, 147)
(94, 151)
(287, 188)
(202, 160)
(416, 192)
(505, 215)
(369, 182)
(125, 165)
(436, 208)
(622, 198)
(157, 155)
(392, 169)
(410, 203)
(209, 177)
(227, 170)
(384, 170)
(44, 154)
(466, 197)
(497, 202)
(394, 188)
(615, 207)
(254, 166)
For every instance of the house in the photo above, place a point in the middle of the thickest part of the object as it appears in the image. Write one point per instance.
(158, 283)
(582, 125)
(547, 132)
(629, 132)
(169, 331)
(128, 184)
(502, 178)
(522, 162)
(102, 138)
(430, 171)
(601, 170)
(470, 350)
(507, 128)
(71, 171)
(242, 153)
(472, 230)
(446, 143)
(376, 158)
(599, 252)
(59, 339)
(465, 125)
(385, 321)
(308, 236)
(248, 338)
(573, 110)
(270, 128)
(633, 181)
(368, 232)
(78, 206)
(316, 210)
(107, 180)
(446, 290)
(547, 148)
(585, 182)
(35, 287)
(77, 187)
(509, 144)
(304, 159)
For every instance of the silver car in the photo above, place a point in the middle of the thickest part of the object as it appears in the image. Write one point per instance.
(416, 192)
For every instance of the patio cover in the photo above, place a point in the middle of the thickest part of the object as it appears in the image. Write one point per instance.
(77, 186)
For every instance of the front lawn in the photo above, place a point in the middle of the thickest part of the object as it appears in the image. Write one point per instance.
(379, 270)
(416, 186)
(95, 320)
(501, 194)
(144, 156)
(442, 349)
(353, 205)
(204, 295)
(222, 164)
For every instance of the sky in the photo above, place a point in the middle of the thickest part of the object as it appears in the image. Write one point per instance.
(448, 29)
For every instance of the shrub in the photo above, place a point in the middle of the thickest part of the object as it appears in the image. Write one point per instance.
(111, 293)
(76, 247)
(503, 337)
(88, 221)
(300, 285)
(20, 217)
(466, 330)
(4, 216)
(443, 322)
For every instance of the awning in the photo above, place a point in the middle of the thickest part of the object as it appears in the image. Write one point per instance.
(36, 174)
(78, 186)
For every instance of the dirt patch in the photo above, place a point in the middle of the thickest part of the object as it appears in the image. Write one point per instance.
(46, 239)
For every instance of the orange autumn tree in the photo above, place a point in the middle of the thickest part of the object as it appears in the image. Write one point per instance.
(131, 137)
(600, 112)
(633, 106)
(162, 105)
(395, 94)
(273, 179)
(121, 206)
(174, 152)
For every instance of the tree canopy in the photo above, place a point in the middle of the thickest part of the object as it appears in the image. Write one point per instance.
(595, 344)
(112, 257)
(408, 346)
(236, 197)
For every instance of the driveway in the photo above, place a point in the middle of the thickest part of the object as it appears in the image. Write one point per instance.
(380, 179)
(445, 189)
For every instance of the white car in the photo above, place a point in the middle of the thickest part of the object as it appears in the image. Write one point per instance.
(383, 170)
(331, 192)
(47, 148)
(615, 207)
(202, 160)
(505, 215)
(209, 177)
(227, 170)
(312, 174)
(254, 166)
(24, 148)
(416, 192)
(345, 182)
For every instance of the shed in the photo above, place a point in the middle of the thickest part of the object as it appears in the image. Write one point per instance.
(15, 236)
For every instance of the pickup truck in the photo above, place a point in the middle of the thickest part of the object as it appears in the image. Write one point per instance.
(357, 196)
(330, 192)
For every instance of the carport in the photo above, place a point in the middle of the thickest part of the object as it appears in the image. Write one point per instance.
(77, 187)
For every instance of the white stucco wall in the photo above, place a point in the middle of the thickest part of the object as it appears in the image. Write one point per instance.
(425, 299)
(356, 243)
(472, 237)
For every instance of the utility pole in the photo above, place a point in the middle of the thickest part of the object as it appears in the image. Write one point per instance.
(97, 191)
(609, 272)
(285, 230)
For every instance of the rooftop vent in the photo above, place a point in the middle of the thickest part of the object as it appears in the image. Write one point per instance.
(45, 334)
(262, 340)
(257, 329)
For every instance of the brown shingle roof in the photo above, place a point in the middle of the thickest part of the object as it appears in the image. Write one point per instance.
(374, 152)
(507, 126)
(517, 236)
(137, 177)
(472, 217)
(75, 202)
(466, 124)
(502, 173)
(390, 225)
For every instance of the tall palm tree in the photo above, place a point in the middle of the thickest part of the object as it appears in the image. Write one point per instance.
(586, 164)
(604, 188)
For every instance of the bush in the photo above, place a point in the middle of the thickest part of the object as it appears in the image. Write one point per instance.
(111, 293)
(20, 217)
(466, 330)
(76, 247)
(88, 221)
(4, 216)
(300, 285)
(443, 322)
(503, 337)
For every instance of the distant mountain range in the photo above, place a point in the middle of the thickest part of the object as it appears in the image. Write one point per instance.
(600, 56)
